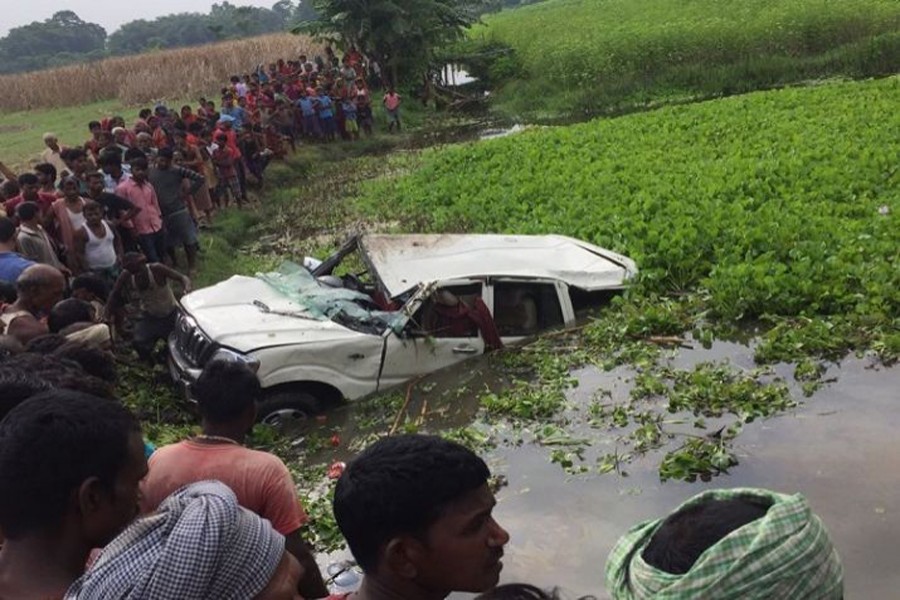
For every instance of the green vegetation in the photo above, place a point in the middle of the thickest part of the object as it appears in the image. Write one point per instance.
(774, 203)
(597, 56)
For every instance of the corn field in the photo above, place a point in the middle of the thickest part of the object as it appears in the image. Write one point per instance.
(142, 78)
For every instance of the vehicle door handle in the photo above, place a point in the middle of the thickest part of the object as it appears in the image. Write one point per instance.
(465, 350)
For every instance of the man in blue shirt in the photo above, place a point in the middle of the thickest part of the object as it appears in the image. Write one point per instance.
(235, 112)
(11, 263)
(310, 123)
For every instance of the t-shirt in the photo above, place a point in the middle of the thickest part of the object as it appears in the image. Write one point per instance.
(325, 110)
(44, 202)
(12, 265)
(391, 101)
(306, 106)
(261, 482)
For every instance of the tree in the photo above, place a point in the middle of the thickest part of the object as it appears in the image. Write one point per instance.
(35, 45)
(402, 35)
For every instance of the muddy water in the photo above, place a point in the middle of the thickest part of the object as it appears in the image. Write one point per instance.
(841, 448)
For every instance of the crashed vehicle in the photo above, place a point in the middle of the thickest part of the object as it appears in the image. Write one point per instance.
(405, 306)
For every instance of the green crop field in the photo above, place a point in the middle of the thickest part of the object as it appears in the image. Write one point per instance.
(774, 203)
(597, 55)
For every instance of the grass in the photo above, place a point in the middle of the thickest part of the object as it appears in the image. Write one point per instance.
(596, 56)
(168, 74)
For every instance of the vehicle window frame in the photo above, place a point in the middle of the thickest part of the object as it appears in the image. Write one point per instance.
(562, 298)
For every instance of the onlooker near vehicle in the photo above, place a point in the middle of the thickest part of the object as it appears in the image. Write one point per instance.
(178, 215)
(46, 174)
(157, 301)
(200, 544)
(738, 543)
(65, 217)
(70, 465)
(226, 394)
(416, 512)
(29, 191)
(147, 221)
(39, 287)
(391, 103)
(12, 264)
(98, 249)
(225, 160)
(53, 154)
(33, 241)
(115, 171)
(117, 211)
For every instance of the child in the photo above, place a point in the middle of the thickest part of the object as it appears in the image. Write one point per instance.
(92, 289)
(350, 125)
(326, 115)
(224, 159)
(391, 103)
(97, 248)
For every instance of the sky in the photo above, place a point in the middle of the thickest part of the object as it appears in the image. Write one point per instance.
(108, 13)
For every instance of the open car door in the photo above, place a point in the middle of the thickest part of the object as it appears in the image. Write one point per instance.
(442, 330)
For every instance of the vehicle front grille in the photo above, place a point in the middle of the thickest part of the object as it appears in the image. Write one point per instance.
(191, 342)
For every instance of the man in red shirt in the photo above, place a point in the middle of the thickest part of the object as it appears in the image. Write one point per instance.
(226, 394)
(29, 191)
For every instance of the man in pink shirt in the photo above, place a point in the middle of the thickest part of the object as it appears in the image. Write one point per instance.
(226, 394)
(391, 103)
(147, 222)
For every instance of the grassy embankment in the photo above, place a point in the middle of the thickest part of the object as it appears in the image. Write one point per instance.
(577, 57)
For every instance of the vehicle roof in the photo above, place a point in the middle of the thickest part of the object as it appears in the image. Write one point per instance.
(404, 261)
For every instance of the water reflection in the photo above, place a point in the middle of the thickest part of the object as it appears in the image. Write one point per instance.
(840, 448)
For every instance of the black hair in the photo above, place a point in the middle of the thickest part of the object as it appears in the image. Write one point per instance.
(93, 124)
(8, 293)
(140, 162)
(67, 312)
(145, 112)
(688, 533)
(49, 445)
(45, 344)
(110, 157)
(10, 188)
(7, 229)
(225, 390)
(16, 386)
(92, 360)
(71, 154)
(92, 283)
(27, 211)
(47, 169)
(166, 152)
(522, 591)
(133, 154)
(401, 485)
(27, 179)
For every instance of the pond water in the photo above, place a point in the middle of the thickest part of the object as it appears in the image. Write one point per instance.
(840, 448)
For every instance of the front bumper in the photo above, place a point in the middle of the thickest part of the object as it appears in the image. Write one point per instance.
(183, 375)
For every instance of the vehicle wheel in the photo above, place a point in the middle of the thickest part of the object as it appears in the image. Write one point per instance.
(288, 409)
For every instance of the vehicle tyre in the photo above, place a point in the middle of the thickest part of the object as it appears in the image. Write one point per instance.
(282, 409)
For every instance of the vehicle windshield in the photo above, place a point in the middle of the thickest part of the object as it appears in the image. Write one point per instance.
(352, 309)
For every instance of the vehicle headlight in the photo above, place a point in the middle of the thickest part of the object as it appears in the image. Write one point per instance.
(233, 356)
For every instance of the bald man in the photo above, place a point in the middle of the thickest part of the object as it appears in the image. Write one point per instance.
(39, 287)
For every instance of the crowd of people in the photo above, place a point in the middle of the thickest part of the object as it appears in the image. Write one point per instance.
(90, 510)
(89, 210)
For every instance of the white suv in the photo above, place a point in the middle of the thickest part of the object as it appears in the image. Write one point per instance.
(416, 304)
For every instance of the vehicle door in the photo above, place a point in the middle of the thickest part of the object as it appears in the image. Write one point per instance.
(437, 334)
(524, 308)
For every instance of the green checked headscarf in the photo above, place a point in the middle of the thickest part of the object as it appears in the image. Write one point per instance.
(785, 554)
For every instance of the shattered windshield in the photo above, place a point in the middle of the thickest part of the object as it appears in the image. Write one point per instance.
(352, 309)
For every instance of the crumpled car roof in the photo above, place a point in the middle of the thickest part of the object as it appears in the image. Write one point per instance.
(404, 261)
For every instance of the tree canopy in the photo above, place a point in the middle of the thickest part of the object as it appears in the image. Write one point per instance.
(401, 36)
(66, 38)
